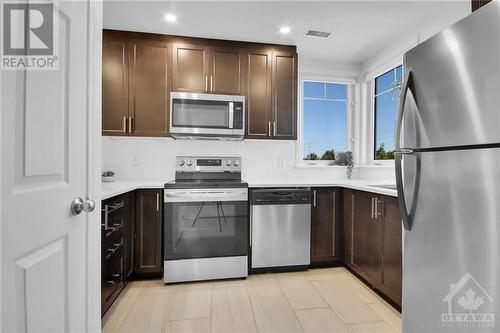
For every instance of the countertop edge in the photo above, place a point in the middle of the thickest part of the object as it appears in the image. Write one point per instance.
(112, 189)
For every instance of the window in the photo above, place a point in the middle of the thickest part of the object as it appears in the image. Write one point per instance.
(324, 120)
(386, 101)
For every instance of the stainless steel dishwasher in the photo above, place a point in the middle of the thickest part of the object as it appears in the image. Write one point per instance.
(280, 228)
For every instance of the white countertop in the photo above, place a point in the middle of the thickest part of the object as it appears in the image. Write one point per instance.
(111, 189)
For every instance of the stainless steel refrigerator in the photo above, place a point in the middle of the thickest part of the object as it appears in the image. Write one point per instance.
(448, 177)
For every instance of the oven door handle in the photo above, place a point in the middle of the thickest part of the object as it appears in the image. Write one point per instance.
(205, 196)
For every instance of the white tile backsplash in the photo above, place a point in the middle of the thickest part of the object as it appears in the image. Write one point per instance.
(263, 161)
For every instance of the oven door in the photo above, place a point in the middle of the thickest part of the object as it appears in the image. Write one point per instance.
(205, 223)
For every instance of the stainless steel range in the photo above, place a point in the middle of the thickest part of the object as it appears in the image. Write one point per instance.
(206, 220)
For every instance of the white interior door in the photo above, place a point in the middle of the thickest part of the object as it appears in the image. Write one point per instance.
(44, 166)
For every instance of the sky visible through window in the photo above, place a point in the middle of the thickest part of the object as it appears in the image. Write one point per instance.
(325, 120)
(387, 90)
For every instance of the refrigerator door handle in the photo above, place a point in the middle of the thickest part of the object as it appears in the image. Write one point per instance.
(398, 153)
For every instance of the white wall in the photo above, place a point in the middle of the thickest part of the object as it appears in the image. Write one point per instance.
(263, 161)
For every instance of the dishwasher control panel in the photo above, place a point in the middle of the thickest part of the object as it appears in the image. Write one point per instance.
(280, 196)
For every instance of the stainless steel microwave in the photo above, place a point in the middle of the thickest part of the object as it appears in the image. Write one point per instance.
(207, 116)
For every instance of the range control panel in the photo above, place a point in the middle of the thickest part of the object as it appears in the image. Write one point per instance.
(207, 164)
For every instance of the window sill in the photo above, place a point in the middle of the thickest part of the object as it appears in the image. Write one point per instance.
(318, 165)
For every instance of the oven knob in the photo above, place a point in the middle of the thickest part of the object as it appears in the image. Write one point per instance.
(236, 163)
(181, 162)
(189, 163)
(228, 163)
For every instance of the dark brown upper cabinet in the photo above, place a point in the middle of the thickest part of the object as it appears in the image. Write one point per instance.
(140, 70)
(476, 4)
(135, 84)
(114, 86)
(148, 88)
(284, 95)
(226, 70)
(207, 69)
(271, 94)
(148, 233)
(258, 93)
(190, 69)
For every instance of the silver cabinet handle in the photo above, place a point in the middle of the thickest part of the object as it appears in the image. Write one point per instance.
(124, 124)
(269, 128)
(398, 153)
(206, 82)
(211, 83)
(378, 212)
(157, 202)
(372, 209)
(274, 128)
(314, 198)
(106, 212)
(375, 204)
(130, 119)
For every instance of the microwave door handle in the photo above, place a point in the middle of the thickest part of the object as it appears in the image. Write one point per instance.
(231, 114)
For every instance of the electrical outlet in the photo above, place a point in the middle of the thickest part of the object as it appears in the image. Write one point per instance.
(281, 162)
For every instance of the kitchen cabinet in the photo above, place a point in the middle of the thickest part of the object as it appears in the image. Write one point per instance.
(326, 240)
(148, 233)
(271, 94)
(140, 69)
(207, 69)
(284, 85)
(226, 70)
(366, 251)
(148, 88)
(476, 4)
(116, 247)
(114, 85)
(135, 84)
(258, 93)
(190, 69)
(373, 240)
(391, 283)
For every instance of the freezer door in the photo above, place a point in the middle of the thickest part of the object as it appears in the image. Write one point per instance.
(451, 265)
(456, 80)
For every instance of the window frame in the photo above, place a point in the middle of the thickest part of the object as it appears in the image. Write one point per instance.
(370, 151)
(350, 81)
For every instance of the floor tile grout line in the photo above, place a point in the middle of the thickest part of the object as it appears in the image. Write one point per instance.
(331, 307)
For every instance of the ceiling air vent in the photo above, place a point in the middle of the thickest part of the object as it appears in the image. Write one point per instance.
(317, 33)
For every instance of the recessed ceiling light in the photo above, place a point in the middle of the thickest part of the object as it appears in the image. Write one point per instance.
(170, 17)
(285, 30)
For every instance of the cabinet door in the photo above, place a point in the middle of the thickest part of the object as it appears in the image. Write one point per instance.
(366, 239)
(190, 68)
(149, 88)
(323, 226)
(226, 72)
(114, 86)
(128, 218)
(284, 95)
(391, 250)
(258, 98)
(347, 214)
(148, 232)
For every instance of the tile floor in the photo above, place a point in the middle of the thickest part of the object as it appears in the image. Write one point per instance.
(319, 300)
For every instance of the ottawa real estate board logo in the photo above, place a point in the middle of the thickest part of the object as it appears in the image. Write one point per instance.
(29, 36)
(469, 305)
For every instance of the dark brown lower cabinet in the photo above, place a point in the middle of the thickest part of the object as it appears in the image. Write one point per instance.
(148, 233)
(373, 240)
(131, 241)
(326, 240)
(116, 247)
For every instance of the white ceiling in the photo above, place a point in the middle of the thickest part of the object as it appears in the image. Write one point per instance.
(359, 29)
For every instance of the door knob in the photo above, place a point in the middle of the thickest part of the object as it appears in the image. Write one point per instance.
(78, 206)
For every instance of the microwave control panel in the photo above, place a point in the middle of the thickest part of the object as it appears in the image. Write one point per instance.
(238, 115)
